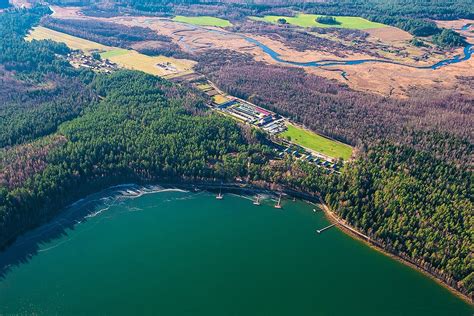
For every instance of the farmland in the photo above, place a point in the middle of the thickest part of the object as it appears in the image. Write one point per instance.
(130, 59)
(202, 20)
(114, 52)
(317, 142)
(309, 20)
(43, 33)
(156, 65)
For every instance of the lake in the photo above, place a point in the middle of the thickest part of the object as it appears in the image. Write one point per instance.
(122, 252)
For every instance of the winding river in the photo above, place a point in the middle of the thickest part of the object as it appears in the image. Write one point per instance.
(467, 54)
(147, 251)
(468, 50)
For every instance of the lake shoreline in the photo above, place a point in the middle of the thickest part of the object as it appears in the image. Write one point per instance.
(259, 188)
(341, 224)
(354, 233)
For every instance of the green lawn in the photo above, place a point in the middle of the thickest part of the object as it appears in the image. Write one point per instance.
(309, 20)
(114, 52)
(202, 20)
(317, 142)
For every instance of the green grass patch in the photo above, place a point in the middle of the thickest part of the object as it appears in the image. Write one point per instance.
(204, 87)
(202, 20)
(114, 52)
(317, 142)
(220, 99)
(309, 20)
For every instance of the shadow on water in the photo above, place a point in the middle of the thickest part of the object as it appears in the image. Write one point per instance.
(29, 245)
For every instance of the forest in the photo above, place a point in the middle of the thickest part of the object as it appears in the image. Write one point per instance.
(411, 16)
(333, 109)
(67, 133)
(410, 189)
(142, 39)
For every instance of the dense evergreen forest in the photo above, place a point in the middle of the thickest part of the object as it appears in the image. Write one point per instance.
(38, 90)
(414, 205)
(66, 133)
(412, 193)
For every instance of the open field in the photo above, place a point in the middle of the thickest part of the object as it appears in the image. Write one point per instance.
(317, 142)
(156, 65)
(42, 33)
(202, 20)
(219, 99)
(309, 20)
(384, 79)
(114, 52)
(389, 34)
(130, 59)
(464, 27)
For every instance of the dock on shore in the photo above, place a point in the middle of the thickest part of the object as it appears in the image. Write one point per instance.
(319, 231)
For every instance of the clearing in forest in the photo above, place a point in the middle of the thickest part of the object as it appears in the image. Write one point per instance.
(130, 59)
(114, 52)
(202, 20)
(309, 20)
(318, 143)
(220, 99)
(155, 65)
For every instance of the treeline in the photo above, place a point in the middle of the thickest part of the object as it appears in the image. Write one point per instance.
(412, 192)
(107, 33)
(411, 16)
(302, 40)
(139, 132)
(335, 110)
(28, 114)
(414, 205)
(142, 39)
(16, 54)
(39, 88)
(410, 188)
(449, 38)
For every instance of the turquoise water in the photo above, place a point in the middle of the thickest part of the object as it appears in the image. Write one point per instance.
(183, 253)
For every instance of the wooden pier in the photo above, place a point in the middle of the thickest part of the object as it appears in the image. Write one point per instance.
(319, 231)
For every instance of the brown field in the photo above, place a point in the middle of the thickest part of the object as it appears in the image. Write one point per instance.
(383, 79)
(40, 33)
(389, 34)
(398, 81)
(66, 12)
(457, 25)
(130, 59)
(21, 3)
(157, 65)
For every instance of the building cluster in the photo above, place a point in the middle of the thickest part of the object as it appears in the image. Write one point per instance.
(328, 163)
(167, 66)
(244, 111)
(270, 122)
(79, 59)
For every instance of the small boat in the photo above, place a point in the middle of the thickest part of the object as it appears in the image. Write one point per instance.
(257, 201)
(314, 210)
(219, 196)
(278, 205)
